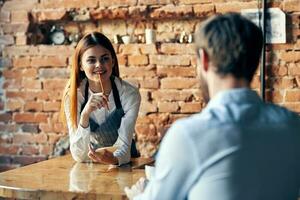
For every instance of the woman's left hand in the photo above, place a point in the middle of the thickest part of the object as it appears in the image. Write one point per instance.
(102, 156)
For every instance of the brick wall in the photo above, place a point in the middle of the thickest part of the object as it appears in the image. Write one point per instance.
(33, 74)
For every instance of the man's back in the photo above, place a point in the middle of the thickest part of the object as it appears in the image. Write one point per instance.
(247, 149)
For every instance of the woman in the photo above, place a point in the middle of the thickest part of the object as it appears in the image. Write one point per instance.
(100, 108)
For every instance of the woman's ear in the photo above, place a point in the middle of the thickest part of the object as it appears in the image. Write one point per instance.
(80, 66)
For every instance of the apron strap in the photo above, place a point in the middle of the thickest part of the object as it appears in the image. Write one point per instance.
(115, 93)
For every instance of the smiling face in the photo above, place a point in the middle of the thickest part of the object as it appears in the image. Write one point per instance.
(97, 60)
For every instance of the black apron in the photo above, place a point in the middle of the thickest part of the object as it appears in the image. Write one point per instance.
(106, 133)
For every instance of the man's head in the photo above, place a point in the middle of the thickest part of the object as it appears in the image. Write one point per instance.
(229, 45)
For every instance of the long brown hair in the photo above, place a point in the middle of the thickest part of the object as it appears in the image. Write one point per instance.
(89, 40)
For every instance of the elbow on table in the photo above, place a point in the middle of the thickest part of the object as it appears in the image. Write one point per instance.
(79, 156)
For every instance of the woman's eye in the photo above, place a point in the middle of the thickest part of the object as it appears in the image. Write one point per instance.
(90, 61)
(104, 60)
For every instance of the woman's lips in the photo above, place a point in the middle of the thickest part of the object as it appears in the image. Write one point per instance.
(99, 72)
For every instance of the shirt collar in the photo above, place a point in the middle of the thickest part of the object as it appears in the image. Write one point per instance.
(236, 95)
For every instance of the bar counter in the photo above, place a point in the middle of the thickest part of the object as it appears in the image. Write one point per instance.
(63, 178)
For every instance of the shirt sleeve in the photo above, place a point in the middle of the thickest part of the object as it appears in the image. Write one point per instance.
(79, 137)
(174, 168)
(126, 130)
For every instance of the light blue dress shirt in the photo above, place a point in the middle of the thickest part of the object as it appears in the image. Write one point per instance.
(237, 148)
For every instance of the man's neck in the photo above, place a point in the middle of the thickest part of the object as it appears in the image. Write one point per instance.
(221, 83)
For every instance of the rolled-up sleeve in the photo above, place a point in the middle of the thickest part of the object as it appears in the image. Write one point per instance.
(79, 137)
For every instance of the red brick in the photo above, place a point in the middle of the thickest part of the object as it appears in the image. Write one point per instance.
(292, 95)
(4, 16)
(145, 94)
(274, 96)
(179, 83)
(53, 138)
(148, 71)
(13, 105)
(122, 60)
(19, 17)
(45, 15)
(68, 4)
(50, 95)
(12, 74)
(291, 5)
(138, 60)
(30, 117)
(14, 84)
(46, 128)
(195, 1)
(108, 3)
(6, 40)
(51, 50)
(19, 5)
(5, 117)
(276, 71)
(170, 60)
(30, 150)
(54, 84)
(59, 128)
(168, 106)
(182, 49)
(33, 106)
(31, 84)
(294, 69)
(171, 11)
(138, 12)
(137, 49)
(53, 61)
(147, 107)
(290, 56)
(234, 6)
(171, 95)
(153, 2)
(7, 128)
(145, 129)
(150, 83)
(190, 107)
(21, 62)
(28, 138)
(21, 39)
(8, 149)
(176, 71)
(114, 13)
(14, 28)
(293, 106)
(281, 83)
(46, 149)
(51, 106)
(204, 10)
(29, 73)
(20, 50)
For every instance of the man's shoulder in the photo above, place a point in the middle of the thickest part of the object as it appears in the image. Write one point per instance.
(280, 113)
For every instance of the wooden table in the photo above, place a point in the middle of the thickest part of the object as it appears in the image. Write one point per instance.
(63, 178)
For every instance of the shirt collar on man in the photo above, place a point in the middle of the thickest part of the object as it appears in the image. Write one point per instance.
(236, 95)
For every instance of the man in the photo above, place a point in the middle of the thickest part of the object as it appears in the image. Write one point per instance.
(238, 147)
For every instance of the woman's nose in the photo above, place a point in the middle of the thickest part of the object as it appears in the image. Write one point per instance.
(98, 64)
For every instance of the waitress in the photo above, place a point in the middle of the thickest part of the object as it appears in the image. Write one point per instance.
(100, 108)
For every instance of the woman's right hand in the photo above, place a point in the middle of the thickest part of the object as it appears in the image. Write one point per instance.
(96, 101)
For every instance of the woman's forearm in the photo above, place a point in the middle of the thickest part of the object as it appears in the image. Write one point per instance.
(84, 120)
